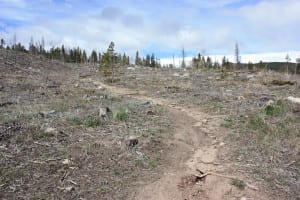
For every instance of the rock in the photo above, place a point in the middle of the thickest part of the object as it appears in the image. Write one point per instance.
(176, 75)
(66, 162)
(103, 112)
(221, 144)
(132, 141)
(186, 75)
(51, 112)
(101, 88)
(146, 103)
(131, 68)
(294, 99)
(50, 130)
(250, 76)
(150, 112)
(46, 113)
(270, 102)
(240, 98)
(69, 188)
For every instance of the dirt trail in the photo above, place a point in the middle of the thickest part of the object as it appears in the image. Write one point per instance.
(196, 143)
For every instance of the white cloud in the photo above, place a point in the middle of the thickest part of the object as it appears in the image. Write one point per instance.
(164, 26)
(274, 13)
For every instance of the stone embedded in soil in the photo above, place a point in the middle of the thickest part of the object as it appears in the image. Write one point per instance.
(103, 112)
(66, 162)
(131, 142)
(50, 130)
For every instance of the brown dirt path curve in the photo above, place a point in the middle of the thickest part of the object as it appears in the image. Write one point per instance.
(196, 143)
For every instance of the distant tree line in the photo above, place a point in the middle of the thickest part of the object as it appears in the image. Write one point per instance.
(201, 62)
(79, 55)
(62, 53)
(148, 61)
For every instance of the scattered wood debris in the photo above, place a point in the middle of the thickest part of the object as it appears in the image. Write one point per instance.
(281, 82)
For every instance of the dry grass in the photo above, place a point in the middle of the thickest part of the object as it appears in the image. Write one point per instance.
(53, 144)
(265, 137)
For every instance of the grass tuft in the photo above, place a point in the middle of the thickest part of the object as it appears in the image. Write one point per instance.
(256, 123)
(122, 116)
(240, 184)
(93, 122)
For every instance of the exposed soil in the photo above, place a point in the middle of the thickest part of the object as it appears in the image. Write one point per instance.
(55, 144)
(195, 144)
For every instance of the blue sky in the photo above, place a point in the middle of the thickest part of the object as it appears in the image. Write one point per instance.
(159, 26)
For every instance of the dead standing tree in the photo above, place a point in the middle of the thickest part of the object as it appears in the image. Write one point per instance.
(288, 59)
(297, 64)
(237, 55)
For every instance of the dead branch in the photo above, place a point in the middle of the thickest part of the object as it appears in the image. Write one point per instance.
(73, 182)
(201, 176)
(6, 103)
(37, 162)
(43, 144)
(66, 174)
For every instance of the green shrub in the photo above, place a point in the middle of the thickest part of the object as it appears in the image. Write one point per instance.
(122, 116)
(92, 122)
(238, 183)
(276, 109)
(77, 122)
(256, 123)
(223, 75)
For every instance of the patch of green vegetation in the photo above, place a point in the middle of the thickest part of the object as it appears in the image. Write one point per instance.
(147, 162)
(223, 74)
(38, 135)
(240, 184)
(154, 132)
(256, 123)
(276, 109)
(227, 123)
(154, 163)
(139, 163)
(122, 115)
(271, 110)
(92, 122)
(20, 138)
(77, 121)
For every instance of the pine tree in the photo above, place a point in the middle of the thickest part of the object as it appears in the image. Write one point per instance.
(100, 58)
(152, 61)
(128, 60)
(147, 61)
(109, 57)
(137, 58)
(124, 60)
(93, 57)
(63, 52)
(2, 43)
(208, 62)
(84, 57)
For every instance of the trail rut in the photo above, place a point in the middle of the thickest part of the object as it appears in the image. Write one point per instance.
(195, 144)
